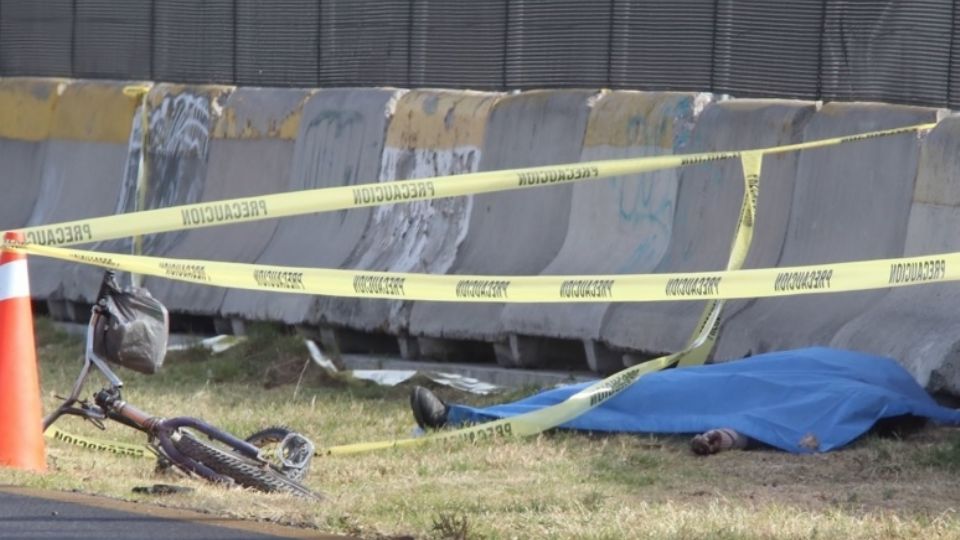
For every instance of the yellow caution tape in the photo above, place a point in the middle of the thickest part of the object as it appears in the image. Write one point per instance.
(704, 285)
(192, 216)
(296, 203)
(720, 285)
(535, 422)
(526, 424)
(123, 449)
(709, 323)
(696, 352)
(313, 281)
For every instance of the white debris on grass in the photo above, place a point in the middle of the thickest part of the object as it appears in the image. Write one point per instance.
(215, 344)
(393, 377)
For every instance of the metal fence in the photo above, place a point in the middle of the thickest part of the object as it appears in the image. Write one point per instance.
(877, 50)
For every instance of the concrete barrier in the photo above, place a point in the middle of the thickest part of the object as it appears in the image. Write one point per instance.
(851, 203)
(177, 141)
(621, 225)
(517, 232)
(918, 326)
(339, 142)
(251, 143)
(26, 116)
(72, 153)
(81, 176)
(432, 133)
(708, 206)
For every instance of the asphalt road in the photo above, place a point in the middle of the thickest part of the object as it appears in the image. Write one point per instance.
(35, 514)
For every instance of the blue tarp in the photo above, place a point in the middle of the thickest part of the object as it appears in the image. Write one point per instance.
(784, 399)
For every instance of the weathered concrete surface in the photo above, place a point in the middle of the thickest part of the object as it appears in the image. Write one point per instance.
(621, 225)
(339, 142)
(182, 120)
(432, 133)
(708, 206)
(178, 133)
(82, 173)
(515, 232)
(851, 203)
(919, 326)
(26, 116)
(250, 153)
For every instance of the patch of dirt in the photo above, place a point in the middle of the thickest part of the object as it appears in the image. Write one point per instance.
(871, 475)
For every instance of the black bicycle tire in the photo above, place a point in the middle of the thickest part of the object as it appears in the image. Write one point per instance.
(243, 471)
(271, 434)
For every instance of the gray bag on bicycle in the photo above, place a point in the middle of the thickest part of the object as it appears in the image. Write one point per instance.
(133, 331)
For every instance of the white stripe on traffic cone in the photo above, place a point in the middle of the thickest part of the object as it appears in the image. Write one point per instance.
(14, 280)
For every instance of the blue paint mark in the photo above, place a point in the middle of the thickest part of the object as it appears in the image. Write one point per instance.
(635, 208)
(682, 114)
(638, 208)
(639, 256)
(639, 205)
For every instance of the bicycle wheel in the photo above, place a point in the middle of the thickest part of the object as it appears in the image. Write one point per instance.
(243, 471)
(293, 458)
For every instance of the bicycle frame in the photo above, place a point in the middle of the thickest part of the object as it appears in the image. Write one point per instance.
(90, 359)
(108, 404)
(236, 462)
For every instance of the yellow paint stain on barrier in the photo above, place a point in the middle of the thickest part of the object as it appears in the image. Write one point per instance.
(189, 103)
(235, 123)
(94, 112)
(625, 119)
(440, 119)
(162, 91)
(26, 107)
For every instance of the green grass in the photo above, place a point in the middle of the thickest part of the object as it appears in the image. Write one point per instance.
(556, 485)
(945, 456)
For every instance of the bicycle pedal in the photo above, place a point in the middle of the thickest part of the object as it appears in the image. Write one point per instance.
(295, 451)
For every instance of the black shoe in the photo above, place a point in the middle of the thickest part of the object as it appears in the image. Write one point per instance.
(428, 410)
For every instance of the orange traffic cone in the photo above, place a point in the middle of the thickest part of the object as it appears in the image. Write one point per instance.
(21, 424)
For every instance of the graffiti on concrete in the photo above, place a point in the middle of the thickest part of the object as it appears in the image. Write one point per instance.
(425, 234)
(319, 163)
(178, 141)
